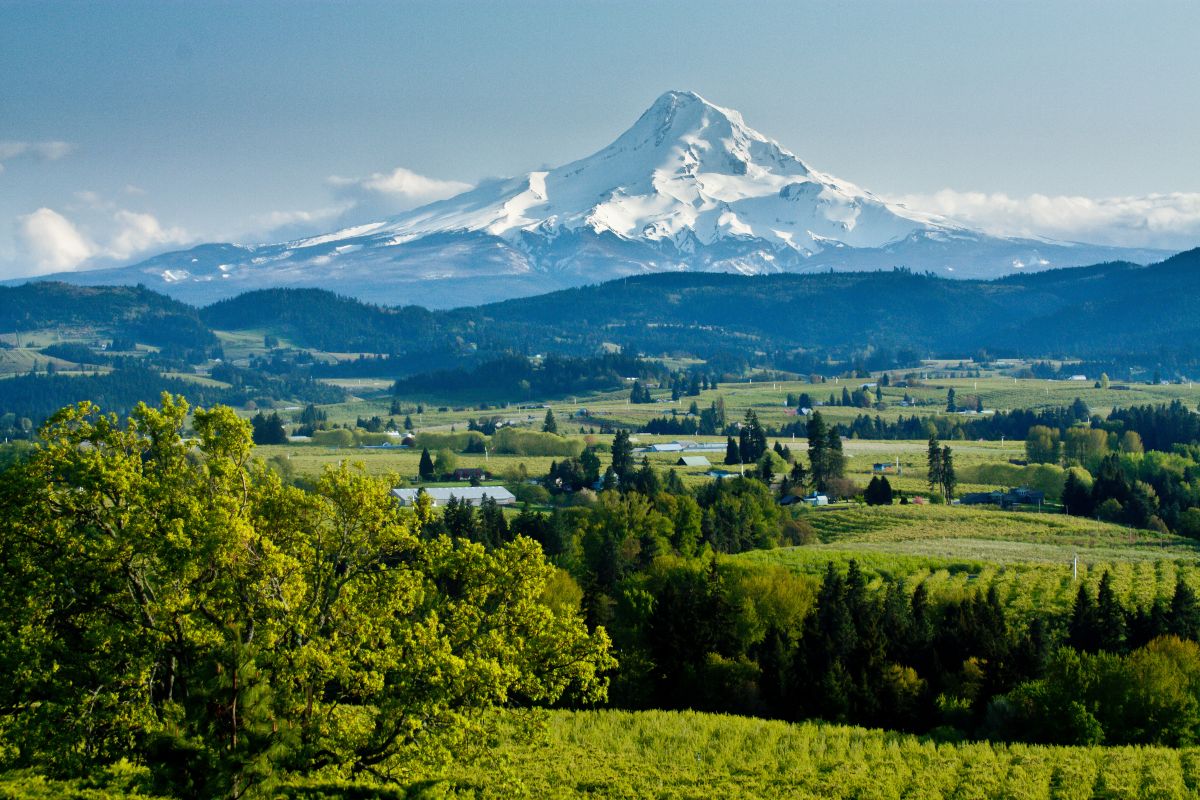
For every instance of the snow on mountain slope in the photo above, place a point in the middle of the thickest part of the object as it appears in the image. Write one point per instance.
(687, 172)
(688, 187)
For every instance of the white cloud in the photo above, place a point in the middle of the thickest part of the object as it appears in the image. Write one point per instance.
(392, 192)
(53, 241)
(138, 232)
(50, 242)
(1168, 221)
(274, 220)
(43, 151)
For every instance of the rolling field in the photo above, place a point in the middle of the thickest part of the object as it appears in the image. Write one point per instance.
(1029, 558)
(659, 754)
(684, 755)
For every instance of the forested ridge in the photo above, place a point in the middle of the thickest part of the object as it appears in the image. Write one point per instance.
(134, 312)
(1108, 310)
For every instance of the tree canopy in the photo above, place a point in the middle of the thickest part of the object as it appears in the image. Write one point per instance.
(169, 601)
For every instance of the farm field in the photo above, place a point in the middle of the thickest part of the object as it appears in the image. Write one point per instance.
(615, 754)
(686, 755)
(1029, 558)
(861, 454)
(767, 398)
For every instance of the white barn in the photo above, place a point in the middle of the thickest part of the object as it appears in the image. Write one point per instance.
(472, 494)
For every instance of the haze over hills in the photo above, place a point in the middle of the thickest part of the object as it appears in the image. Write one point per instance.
(688, 188)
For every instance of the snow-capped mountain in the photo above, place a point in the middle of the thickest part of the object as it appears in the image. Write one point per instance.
(688, 187)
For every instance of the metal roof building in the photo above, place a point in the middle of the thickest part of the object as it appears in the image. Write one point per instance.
(472, 494)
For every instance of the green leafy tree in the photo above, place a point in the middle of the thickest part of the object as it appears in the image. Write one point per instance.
(1042, 445)
(196, 615)
(445, 463)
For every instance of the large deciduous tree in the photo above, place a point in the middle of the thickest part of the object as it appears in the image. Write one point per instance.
(169, 601)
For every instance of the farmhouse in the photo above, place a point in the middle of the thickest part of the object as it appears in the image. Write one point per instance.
(473, 495)
(470, 473)
(1023, 496)
(883, 468)
(693, 461)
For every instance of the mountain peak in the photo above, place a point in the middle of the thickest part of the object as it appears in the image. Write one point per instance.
(677, 115)
(672, 100)
(688, 186)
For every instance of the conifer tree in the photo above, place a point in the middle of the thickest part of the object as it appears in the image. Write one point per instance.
(733, 453)
(1110, 616)
(934, 461)
(752, 438)
(646, 480)
(550, 425)
(1183, 619)
(949, 477)
(1083, 628)
(591, 465)
(425, 468)
(622, 455)
(817, 444)
(493, 528)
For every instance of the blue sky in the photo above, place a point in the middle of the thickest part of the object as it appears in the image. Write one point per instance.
(129, 128)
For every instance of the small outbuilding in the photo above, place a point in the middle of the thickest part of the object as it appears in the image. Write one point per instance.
(693, 461)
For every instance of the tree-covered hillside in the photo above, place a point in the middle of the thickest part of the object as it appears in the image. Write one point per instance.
(1108, 311)
(1087, 312)
(132, 312)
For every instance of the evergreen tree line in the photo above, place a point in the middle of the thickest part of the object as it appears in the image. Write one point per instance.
(517, 378)
(692, 631)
